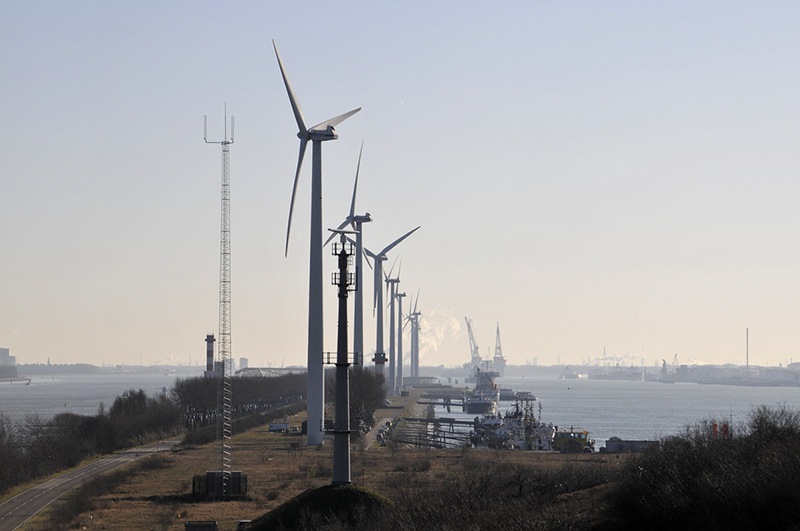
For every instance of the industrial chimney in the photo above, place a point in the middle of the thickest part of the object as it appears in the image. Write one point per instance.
(209, 356)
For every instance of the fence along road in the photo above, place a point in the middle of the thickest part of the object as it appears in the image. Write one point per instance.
(24, 506)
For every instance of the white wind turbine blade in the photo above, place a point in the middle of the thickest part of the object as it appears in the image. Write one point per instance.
(355, 186)
(416, 300)
(389, 287)
(392, 269)
(398, 240)
(406, 321)
(303, 144)
(387, 277)
(377, 278)
(333, 122)
(367, 254)
(298, 114)
(303, 135)
(342, 225)
(349, 219)
(377, 284)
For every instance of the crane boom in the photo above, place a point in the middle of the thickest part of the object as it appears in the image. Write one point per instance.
(474, 350)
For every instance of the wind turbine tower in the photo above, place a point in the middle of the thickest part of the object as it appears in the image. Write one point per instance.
(224, 394)
(379, 259)
(316, 134)
(392, 286)
(399, 382)
(414, 318)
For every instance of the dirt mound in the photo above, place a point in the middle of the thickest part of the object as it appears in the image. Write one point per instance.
(347, 505)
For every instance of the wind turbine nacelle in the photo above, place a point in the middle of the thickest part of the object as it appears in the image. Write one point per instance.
(366, 218)
(321, 135)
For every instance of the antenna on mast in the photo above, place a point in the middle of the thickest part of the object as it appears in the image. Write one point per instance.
(224, 140)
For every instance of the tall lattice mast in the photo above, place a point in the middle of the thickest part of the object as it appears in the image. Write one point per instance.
(224, 394)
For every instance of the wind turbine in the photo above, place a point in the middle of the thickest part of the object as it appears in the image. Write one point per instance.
(414, 318)
(356, 222)
(317, 135)
(379, 259)
(392, 287)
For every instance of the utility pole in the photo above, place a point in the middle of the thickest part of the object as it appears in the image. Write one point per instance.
(224, 392)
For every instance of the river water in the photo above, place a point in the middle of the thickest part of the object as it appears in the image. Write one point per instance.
(47, 396)
(605, 408)
(641, 410)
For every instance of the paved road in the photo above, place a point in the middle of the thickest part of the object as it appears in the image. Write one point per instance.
(369, 437)
(22, 507)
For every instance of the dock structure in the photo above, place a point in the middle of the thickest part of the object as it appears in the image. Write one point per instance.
(429, 433)
(268, 372)
(443, 421)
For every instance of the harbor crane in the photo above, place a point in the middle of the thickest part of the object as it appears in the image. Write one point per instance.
(474, 350)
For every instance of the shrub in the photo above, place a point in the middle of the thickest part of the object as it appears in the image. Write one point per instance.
(697, 479)
(491, 496)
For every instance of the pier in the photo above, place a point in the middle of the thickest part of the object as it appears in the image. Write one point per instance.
(428, 433)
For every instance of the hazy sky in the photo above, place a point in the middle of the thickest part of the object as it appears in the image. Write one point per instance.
(587, 174)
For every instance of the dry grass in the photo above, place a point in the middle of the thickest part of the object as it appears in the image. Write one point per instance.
(278, 469)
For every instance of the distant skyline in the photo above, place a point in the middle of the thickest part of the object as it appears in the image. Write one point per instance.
(619, 174)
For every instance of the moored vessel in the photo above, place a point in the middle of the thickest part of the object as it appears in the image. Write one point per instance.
(482, 400)
(518, 429)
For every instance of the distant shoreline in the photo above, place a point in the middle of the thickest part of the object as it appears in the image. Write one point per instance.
(37, 370)
(16, 379)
